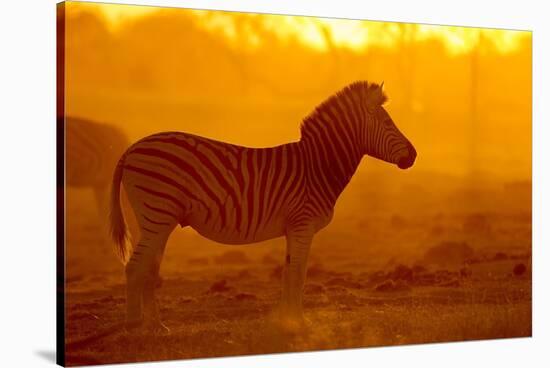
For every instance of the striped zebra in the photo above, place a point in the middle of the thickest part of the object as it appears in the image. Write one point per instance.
(91, 154)
(238, 195)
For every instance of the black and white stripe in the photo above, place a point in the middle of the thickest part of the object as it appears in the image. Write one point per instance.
(239, 195)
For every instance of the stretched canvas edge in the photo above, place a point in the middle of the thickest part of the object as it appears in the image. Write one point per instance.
(60, 184)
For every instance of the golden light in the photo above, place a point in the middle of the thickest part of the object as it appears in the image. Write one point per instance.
(321, 33)
(115, 14)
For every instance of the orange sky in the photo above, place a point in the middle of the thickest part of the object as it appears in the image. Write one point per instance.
(462, 95)
(353, 34)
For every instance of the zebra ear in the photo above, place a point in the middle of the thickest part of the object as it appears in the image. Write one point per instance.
(376, 97)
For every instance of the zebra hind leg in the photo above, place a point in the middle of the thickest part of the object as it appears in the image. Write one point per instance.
(142, 275)
(150, 303)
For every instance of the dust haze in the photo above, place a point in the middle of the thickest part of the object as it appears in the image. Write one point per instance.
(440, 252)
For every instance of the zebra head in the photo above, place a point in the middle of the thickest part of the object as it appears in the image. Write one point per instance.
(382, 138)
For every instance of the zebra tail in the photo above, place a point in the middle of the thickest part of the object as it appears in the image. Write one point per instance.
(118, 226)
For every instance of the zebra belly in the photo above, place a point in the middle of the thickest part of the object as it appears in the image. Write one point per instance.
(230, 234)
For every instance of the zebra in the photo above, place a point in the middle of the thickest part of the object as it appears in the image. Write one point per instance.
(91, 154)
(239, 195)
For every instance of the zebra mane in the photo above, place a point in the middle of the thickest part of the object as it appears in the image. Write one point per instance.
(356, 92)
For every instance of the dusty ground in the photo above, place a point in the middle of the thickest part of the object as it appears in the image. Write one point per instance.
(374, 279)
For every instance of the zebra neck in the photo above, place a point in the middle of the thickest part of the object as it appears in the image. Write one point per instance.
(330, 167)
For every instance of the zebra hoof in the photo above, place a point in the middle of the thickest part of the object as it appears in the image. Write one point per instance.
(294, 325)
(133, 326)
(289, 322)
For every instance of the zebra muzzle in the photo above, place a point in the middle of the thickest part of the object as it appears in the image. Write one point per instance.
(407, 161)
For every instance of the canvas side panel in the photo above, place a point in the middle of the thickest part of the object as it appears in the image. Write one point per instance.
(60, 184)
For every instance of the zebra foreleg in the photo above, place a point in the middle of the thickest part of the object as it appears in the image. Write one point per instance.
(294, 274)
